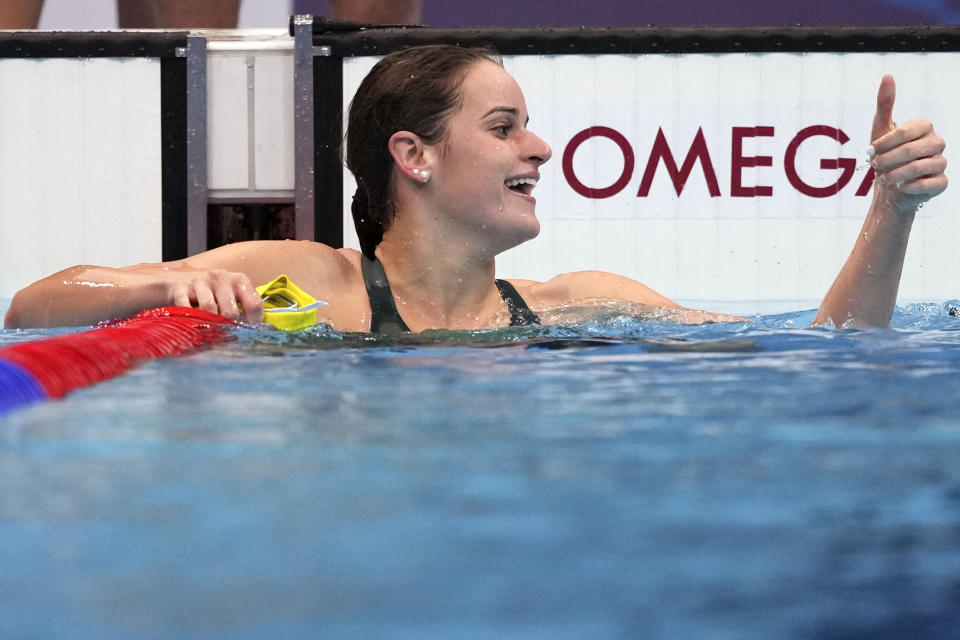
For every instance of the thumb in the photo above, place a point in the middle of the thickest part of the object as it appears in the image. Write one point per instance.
(883, 119)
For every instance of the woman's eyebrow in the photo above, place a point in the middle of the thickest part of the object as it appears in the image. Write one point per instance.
(511, 110)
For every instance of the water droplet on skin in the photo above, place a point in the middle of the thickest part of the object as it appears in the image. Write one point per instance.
(84, 283)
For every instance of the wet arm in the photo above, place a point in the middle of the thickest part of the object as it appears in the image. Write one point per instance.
(221, 280)
(910, 171)
(865, 291)
(590, 286)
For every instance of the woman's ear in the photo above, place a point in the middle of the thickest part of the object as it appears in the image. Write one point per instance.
(410, 155)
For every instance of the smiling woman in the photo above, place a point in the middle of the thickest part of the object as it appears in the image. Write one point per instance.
(446, 170)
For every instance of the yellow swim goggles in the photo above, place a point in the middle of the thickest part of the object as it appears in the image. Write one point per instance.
(288, 307)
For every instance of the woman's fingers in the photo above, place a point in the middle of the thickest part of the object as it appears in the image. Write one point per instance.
(906, 157)
(226, 300)
(236, 296)
(909, 159)
(916, 128)
(927, 186)
(203, 294)
(229, 294)
(248, 297)
(181, 296)
(883, 118)
(921, 167)
(930, 145)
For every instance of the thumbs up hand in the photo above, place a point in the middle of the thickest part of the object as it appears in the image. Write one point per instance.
(907, 158)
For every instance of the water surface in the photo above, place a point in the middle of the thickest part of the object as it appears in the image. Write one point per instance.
(620, 478)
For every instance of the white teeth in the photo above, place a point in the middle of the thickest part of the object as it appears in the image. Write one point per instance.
(515, 182)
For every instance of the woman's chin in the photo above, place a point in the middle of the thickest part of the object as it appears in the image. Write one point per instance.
(526, 229)
(509, 234)
(534, 228)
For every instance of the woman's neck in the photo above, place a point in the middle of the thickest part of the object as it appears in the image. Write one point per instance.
(439, 280)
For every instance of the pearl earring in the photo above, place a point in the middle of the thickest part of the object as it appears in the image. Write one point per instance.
(424, 175)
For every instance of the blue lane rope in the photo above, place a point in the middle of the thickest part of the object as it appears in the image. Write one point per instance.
(17, 387)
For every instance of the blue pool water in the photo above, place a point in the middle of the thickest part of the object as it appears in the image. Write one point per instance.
(619, 478)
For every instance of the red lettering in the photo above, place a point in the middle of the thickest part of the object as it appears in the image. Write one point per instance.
(699, 152)
(625, 175)
(661, 151)
(846, 164)
(738, 162)
(867, 182)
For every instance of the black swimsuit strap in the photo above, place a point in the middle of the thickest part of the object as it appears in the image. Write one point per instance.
(520, 314)
(384, 315)
(385, 318)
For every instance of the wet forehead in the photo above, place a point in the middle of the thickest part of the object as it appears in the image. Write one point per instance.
(487, 86)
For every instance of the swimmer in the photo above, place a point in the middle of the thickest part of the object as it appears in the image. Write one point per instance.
(447, 169)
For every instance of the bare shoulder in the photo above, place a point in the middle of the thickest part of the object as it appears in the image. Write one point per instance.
(311, 265)
(582, 286)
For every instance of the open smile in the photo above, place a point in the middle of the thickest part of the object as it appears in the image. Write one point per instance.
(522, 187)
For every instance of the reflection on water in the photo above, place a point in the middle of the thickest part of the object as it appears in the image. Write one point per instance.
(619, 478)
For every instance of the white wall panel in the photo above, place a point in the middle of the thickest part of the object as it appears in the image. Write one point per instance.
(575, 243)
(615, 243)
(80, 174)
(228, 122)
(141, 184)
(939, 261)
(817, 248)
(101, 160)
(273, 121)
(696, 258)
(21, 207)
(657, 264)
(60, 183)
(737, 255)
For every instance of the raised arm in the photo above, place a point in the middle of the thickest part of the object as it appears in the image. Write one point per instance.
(910, 170)
(221, 281)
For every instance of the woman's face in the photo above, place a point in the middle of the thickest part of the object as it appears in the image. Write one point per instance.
(485, 170)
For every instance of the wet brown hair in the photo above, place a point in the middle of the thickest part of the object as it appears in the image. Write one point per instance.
(416, 90)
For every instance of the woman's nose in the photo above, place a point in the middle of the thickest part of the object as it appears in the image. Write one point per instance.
(537, 148)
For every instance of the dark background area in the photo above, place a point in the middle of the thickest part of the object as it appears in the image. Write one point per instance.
(675, 13)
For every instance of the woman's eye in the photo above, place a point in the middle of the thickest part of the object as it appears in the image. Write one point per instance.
(502, 129)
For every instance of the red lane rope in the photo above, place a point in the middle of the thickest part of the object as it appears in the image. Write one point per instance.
(64, 363)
